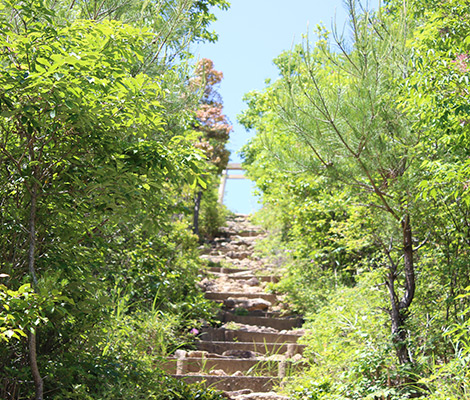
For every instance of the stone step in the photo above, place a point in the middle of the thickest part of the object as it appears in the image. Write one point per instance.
(233, 383)
(238, 246)
(212, 258)
(224, 296)
(279, 324)
(244, 349)
(256, 313)
(264, 348)
(261, 278)
(228, 365)
(249, 233)
(224, 270)
(238, 254)
(247, 236)
(229, 335)
(242, 243)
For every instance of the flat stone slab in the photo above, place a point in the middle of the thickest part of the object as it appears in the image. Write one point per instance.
(279, 324)
(233, 250)
(229, 335)
(244, 336)
(250, 305)
(249, 233)
(224, 296)
(261, 278)
(228, 365)
(263, 348)
(225, 270)
(233, 383)
(261, 396)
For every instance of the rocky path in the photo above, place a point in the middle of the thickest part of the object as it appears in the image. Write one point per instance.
(255, 347)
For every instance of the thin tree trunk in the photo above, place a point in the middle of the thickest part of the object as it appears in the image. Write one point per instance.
(410, 285)
(398, 318)
(32, 235)
(33, 362)
(38, 382)
(197, 207)
(399, 309)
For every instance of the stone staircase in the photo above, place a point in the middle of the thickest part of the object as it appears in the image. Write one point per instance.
(255, 348)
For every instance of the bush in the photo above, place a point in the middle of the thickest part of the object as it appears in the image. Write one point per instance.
(213, 214)
(347, 346)
(139, 384)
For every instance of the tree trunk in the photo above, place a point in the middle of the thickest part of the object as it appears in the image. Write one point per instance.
(33, 362)
(399, 309)
(398, 317)
(409, 264)
(38, 382)
(197, 207)
(32, 235)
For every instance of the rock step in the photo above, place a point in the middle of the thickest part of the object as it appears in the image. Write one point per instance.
(228, 251)
(228, 359)
(257, 313)
(238, 241)
(250, 395)
(246, 274)
(262, 347)
(224, 296)
(249, 234)
(224, 270)
(233, 383)
(260, 278)
(229, 335)
(248, 367)
(279, 324)
(231, 254)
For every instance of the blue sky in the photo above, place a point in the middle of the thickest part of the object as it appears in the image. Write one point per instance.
(251, 34)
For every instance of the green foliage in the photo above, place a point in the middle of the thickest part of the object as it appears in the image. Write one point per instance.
(13, 318)
(347, 324)
(350, 145)
(23, 309)
(311, 390)
(449, 380)
(213, 214)
(120, 357)
(435, 91)
(348, 348)
(96, 144)
(212, 129)
(139, 383)
(319, 233)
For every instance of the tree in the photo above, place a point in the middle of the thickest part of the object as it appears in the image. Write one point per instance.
(95, 144)
(341, 107)
(436, 92)
(212, 126)
(70, 103)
